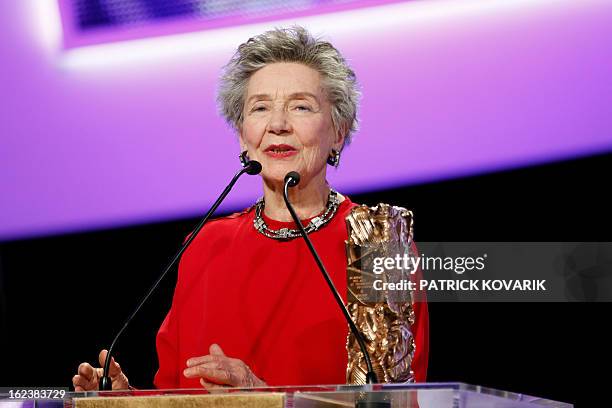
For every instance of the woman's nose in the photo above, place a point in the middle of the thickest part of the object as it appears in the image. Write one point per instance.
(279, 122)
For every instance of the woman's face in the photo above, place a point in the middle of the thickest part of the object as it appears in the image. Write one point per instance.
(287, 122)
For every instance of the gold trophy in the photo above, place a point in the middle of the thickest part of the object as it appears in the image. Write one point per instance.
(384, 317)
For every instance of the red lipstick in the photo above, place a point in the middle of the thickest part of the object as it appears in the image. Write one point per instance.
(280, 151)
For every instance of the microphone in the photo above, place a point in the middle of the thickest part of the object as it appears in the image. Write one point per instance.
(253, 167)
(292, 179)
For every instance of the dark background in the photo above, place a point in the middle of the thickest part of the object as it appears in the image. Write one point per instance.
(63, 298)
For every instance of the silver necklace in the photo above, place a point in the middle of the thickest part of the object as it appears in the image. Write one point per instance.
(287, 233)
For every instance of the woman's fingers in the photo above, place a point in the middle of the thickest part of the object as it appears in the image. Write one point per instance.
(211, 385)
(231, 372)
(80, 384)
(86, 379)
(214, 388)
(216, 355)
(211, 373)
(114, 368)
(87, 372)
(194, 361)
(218, 369)
(215, 350)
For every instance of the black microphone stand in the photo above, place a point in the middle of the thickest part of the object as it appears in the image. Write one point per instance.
(370, 401)
(252, 167)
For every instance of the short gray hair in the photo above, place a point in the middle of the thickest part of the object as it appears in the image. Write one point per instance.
(296, 45)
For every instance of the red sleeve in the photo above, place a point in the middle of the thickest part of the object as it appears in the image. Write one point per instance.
(167, 376)
(420, 330)
(167, 340)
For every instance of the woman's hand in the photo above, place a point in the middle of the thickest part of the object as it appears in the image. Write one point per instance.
(88, 377)
(216, 370)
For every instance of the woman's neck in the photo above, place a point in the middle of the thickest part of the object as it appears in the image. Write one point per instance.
(308, 199)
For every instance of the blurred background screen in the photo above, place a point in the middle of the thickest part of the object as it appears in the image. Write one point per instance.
(123, 129)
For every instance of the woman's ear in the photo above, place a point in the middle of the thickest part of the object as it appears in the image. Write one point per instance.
(243, 145)
(243, 156)
(340, 137)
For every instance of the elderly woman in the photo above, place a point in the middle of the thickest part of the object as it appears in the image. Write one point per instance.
(250, 308)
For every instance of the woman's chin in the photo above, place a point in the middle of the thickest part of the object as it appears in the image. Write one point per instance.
(275, 177)
(276, 172)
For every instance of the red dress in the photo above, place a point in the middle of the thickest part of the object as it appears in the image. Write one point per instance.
(265, 302)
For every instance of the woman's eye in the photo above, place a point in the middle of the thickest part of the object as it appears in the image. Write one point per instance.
(258, 109)
(303, 108)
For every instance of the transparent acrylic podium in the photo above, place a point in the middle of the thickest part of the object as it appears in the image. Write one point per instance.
(422, 395)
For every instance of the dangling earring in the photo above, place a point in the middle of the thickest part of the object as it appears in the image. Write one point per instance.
(244, 158)
(334, 158)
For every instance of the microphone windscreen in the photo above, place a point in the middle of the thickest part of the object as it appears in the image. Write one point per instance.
(293, 178)
(253, 167)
